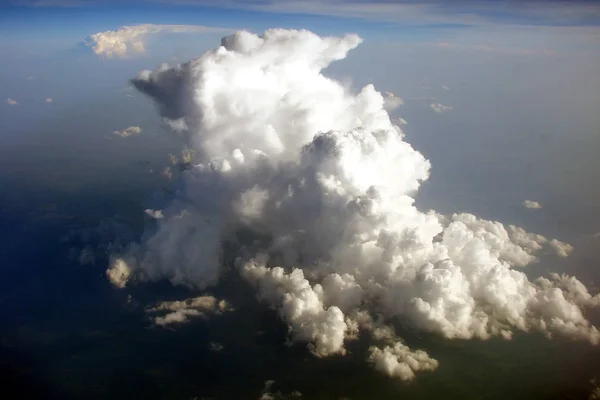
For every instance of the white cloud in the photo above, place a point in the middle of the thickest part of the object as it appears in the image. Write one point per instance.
(132, 130)
(301, 306)
(401, 362)
(439, 108)
(177, 312)
(532, 204)
(391, 101)
(49, 100)
(561, 249)
(288, 154)
(119, 273)
(129, 40)
(12, 102)
(156, 214)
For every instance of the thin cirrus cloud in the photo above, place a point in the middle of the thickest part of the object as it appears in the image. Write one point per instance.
(537, 12)
(130, 40)
(287, 153)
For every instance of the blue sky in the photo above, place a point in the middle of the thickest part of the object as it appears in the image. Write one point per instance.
(64, 18)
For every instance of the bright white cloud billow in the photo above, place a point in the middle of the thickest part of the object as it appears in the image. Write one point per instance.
(532, 204)
(440, 108)
(129, 40)
(327, 183)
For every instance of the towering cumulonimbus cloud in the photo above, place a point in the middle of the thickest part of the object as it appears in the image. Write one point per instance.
(325, 182)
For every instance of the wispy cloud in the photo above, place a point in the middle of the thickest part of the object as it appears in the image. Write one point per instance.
(391, 101)
(440, 108)
(528, 12)
(493, 46)
(177, 312)
(12, 102)
(534, 12)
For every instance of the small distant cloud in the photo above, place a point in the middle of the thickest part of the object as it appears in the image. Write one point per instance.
(12, 102)
(178, 312)
(440, 108)
(132, 130)
(215, 346)
(532, 204)
(391, 101)
(30, 78)
(156, 214)
(49, 100)
(128, 91)
(129, 40)
(168, 173)
(562, 249)
(446, 88)
(401, 121)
